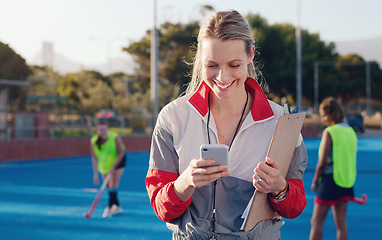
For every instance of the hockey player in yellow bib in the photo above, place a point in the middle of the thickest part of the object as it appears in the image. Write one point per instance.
(335, 172)
(108, 156)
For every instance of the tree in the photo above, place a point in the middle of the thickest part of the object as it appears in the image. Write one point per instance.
(345, 78)
(276, 49)
(44, 81)
(175, 41)
(127, 95)
(88, 91)
(376, 78)
(275, 57)
(13, 67)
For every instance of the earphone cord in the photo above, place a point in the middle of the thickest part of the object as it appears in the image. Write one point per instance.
(213, 219)
(238, 125)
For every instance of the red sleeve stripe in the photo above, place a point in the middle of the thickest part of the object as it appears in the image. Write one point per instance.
(160, 187)
(295, 201)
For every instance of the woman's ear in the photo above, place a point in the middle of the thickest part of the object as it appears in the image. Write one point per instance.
(251, 55)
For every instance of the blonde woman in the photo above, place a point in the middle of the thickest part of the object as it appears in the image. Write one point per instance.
(224, 104)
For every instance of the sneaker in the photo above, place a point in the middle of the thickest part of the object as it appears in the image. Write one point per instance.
(106, 213)
(115, 210)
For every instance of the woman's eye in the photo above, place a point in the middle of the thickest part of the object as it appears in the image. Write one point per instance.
(211, 66)
(235, 66)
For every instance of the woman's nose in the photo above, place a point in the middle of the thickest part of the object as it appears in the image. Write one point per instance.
(222, 76)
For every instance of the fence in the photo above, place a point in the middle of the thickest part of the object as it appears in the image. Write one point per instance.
(42, 125)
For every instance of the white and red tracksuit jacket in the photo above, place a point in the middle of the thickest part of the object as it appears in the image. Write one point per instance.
(180, 131)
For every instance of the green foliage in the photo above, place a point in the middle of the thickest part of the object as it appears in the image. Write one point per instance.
(120, 87)
(347, 78)
(276, 48)
(44, 81)
(175, 41)
(375, 77)
(313, 50)
(13, 67)
(140, 52)
(88, 91)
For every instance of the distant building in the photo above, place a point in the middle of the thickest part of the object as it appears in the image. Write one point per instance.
(5, 84)
(47, 54)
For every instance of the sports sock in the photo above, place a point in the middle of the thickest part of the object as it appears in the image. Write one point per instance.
(113, 200)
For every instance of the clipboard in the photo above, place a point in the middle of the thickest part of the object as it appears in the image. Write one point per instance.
(282, 147)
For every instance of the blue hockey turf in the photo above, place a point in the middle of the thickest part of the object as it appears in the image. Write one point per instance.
(45, 199)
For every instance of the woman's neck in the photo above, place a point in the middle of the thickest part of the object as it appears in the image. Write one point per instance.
(230, 106)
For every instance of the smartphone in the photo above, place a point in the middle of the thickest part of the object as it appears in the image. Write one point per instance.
(219, 152)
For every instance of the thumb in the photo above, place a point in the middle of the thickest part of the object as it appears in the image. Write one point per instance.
(271, 162)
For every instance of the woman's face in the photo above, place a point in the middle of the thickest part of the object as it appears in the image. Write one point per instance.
(102, 130)
(224, 65)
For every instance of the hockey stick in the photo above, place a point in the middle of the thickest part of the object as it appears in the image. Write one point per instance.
(360, 200)
(94, 204)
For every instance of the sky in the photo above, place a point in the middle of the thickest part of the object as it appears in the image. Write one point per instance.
(91, 31)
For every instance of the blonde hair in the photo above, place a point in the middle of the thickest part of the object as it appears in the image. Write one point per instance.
(224, 25)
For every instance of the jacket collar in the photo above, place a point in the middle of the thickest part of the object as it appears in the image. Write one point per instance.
(261, 110)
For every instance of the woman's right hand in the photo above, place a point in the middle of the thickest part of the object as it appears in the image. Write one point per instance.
(314, 186)
(199, 173)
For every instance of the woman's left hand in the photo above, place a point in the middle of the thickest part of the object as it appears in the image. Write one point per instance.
(270, 175)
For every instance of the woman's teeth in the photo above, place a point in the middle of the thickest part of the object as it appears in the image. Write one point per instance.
(223, 85)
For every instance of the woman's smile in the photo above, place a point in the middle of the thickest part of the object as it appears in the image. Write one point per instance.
(223, 86)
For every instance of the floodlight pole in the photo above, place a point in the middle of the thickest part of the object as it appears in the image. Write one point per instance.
(154, 66)
(368, 89)
(298, 57)
(316, 68)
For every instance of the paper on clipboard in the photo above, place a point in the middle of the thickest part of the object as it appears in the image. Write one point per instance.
(281, 149)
